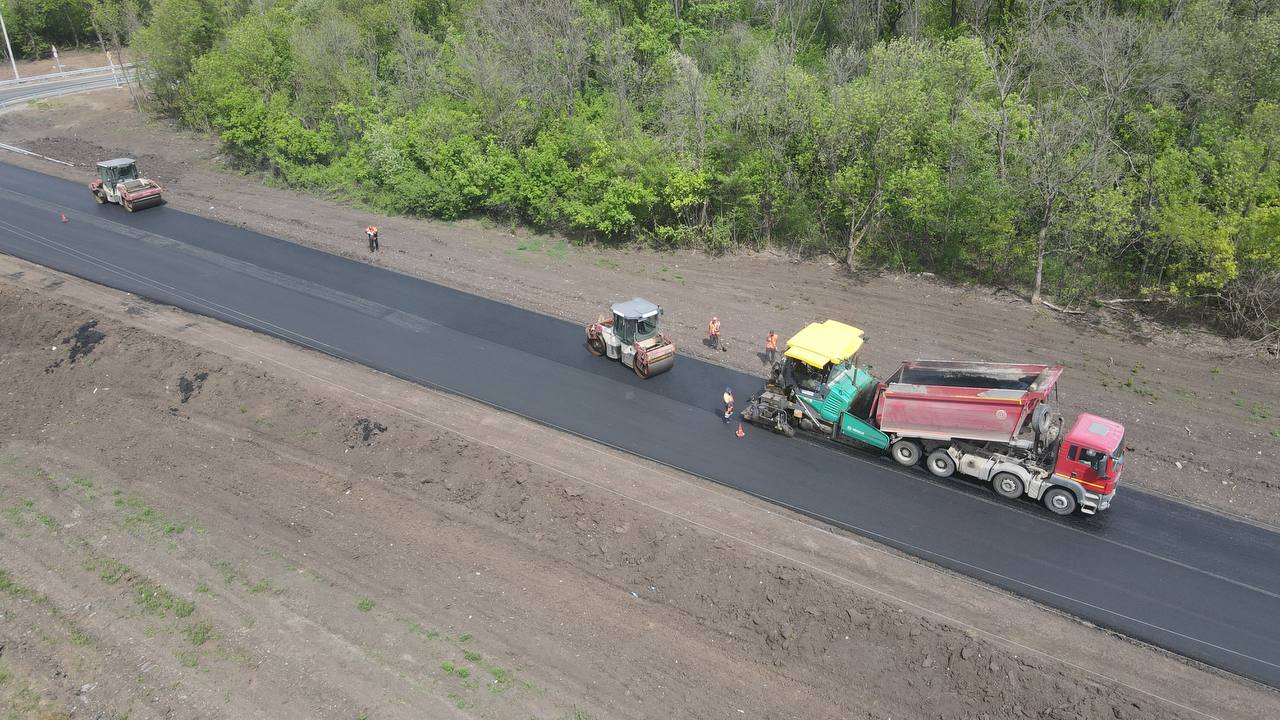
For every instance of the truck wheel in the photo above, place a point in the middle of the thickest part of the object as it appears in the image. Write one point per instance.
(1060, 501)
(642, 370)
(596, 346)
(1008, 485)
(127, 205)
(906, 452)
(940, 463)
(99, 197)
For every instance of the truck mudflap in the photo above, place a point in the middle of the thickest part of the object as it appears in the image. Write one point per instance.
(1094, 502)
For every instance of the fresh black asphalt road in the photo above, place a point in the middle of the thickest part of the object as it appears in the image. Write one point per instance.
(1193, 582)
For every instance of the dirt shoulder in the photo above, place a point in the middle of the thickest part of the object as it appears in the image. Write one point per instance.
(188, 507)
(70, 60)
(1203, 422)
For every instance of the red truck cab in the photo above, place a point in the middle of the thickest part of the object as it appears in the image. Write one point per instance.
(1092, 454)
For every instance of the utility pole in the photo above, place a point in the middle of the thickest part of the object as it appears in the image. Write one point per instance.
(9, 48)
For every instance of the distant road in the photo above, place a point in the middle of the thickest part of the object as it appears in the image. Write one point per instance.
(1190, 581)
(15, 94)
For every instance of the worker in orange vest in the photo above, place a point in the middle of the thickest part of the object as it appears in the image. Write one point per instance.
(371, 232)
(771, 347)
(713, 333)
(728, 405)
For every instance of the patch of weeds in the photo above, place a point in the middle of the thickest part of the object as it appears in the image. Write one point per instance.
(16, 513)
(143, 516)
(157, 600)
(189, 658)
(80, 637)
(365, 604)
(228, 572)
(261, 586)
(199, 633)
(1258, 411)
(608, 263)
(202, 587)
(678, 278)
(85, 483)
(1275, 434)
(471, 656)
(471, 684)
(1146, 393)
(47, 521)
(580, 715)
(10, 586)
(417, 629)
(1215, 371)
(462, 672)
(111, 571)
(464, 637)
(458, 701)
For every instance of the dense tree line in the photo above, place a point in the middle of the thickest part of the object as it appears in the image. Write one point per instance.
(1077, 149)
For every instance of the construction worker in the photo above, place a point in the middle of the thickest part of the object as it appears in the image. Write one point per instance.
(728, 405)
(713, 333)
(771, 347)
(371, 232)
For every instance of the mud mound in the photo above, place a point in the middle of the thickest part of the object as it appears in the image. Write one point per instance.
(188, 387)
(82, 342)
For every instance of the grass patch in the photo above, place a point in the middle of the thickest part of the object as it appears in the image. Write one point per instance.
(464, 637)
(557, 249)
(189, 658)
(365, 604)
(458, 701)
(10, 586)
(47, 521)
(608, 263)
(202, 587)
(140, 515)
(261, 586)
(199, 633)
(471, 656)
(155, 599)
(111, 571)
(19, 699)
(85, 483)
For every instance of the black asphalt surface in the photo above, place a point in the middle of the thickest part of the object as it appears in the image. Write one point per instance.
(1196, 583)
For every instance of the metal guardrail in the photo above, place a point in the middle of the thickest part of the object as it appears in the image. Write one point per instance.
(54, 77)
(28, 153)
(40, 92)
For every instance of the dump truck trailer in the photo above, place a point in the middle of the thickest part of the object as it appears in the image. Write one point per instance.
(994, 422)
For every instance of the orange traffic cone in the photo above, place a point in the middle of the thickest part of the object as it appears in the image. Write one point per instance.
(740, 433)
(64, 216)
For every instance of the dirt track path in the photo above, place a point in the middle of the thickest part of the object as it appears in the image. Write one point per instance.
(336, 574)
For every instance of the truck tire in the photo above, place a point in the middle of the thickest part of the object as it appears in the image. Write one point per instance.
(940, 463)
(906, 452)
(100, 197)
(596, 346)
(1060, 501)
(1008, 485)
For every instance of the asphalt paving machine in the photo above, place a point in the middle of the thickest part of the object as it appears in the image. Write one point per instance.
(631, 335)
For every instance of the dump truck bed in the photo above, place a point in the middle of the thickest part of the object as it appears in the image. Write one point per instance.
(984, 402)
